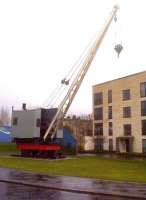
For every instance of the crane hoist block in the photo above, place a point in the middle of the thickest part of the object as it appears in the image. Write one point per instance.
(118, 48)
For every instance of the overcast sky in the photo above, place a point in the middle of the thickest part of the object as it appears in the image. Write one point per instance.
(41, 39)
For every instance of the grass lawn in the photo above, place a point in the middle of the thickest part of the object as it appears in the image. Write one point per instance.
(6, 148)
(92, 167)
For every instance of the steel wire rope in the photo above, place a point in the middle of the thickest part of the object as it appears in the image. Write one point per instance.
(73, 69)
(51, 97)
(79, 63)
(58, 90)
(118, 30)
(81, 58)
(59, 96)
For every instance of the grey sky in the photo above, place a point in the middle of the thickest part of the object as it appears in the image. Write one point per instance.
(40, 41)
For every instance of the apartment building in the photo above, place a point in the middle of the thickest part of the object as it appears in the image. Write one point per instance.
(119, 112)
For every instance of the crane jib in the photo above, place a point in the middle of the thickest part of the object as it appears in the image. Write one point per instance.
(66, 102)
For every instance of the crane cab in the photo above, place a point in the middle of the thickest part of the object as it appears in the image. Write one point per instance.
(28, 129)
(31, 125)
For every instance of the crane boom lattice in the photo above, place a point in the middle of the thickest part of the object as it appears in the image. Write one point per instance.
(75, 85)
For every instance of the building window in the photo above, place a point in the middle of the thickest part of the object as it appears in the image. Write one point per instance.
(110, 112)
(143, 108)
(110, 128)
(88, 132)
(98, 129)
(110, 145)
(143, 145)
(143, 89)
(127, 129)
(126, 112)
(126, 94)
(98, 113)
(98, 98)
(38, 122)
(144, 127)
(109, 96)
(15, 121)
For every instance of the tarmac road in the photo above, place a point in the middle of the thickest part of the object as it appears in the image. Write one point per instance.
(11, 191)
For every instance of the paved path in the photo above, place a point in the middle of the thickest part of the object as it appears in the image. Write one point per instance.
(11, 191)
(74, 184)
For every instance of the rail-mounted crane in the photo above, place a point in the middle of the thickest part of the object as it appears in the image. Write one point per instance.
(43, 144)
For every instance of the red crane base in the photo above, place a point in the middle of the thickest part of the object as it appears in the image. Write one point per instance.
(40, 150)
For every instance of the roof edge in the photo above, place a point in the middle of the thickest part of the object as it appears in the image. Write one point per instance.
(119, 78)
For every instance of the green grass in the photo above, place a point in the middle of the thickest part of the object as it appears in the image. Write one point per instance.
(91, 167)
(7, 148)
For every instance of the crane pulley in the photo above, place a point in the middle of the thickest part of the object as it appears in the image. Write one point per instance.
(64, 81)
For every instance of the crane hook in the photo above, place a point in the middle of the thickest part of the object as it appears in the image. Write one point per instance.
(118, 48)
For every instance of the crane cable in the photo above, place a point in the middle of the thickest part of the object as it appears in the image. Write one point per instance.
(118, 46)
(76, 67)
(48, 102)
(78, 61)
(58, 91)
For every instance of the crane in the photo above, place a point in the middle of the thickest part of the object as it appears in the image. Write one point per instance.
(75, 85)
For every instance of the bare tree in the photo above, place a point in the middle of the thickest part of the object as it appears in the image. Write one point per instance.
(4, 117)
